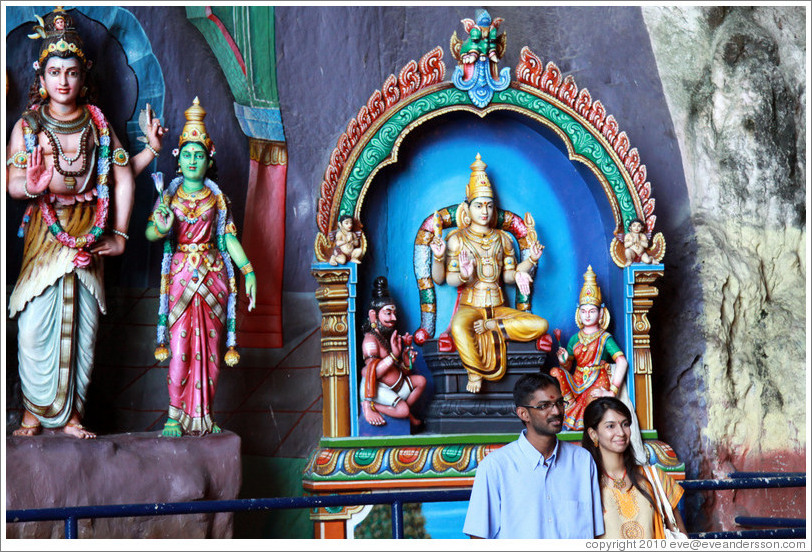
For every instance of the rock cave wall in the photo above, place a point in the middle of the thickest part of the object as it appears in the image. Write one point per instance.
(732, 367)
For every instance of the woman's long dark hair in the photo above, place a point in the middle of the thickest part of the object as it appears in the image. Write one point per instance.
(592, 417)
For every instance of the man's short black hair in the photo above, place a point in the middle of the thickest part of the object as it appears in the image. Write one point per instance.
(529, 384)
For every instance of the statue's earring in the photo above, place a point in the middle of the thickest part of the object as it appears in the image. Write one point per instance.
(83, 91)
(43, 93)
(373, 325)
(179, 171)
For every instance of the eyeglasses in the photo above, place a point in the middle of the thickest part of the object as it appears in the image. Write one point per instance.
(546, 405)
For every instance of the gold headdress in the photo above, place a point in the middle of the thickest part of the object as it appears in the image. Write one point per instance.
(195, 129)
(478, 184)
(59, 36)
(591, 295)
(590, 292)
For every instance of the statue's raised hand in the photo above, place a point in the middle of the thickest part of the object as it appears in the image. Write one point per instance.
(152, 128)
(466, 265)
(395, 344)
(37, 175)
(163, 218)
(437, 246)
(535, 251)
(523, 280)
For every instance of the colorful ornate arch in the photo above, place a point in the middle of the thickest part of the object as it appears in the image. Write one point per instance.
(418, 94)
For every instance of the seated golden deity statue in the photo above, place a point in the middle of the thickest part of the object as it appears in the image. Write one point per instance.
(476, 257)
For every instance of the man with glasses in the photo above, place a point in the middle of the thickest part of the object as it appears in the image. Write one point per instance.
(536, 487)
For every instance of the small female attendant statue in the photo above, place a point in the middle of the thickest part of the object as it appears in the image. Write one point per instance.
(198, 286)
(593, 348)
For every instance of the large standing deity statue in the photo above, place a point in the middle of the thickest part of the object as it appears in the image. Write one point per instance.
(593, 350)
(477, 258)
(198, 285)
(66, 161)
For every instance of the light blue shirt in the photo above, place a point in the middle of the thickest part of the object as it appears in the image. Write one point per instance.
(517, 495)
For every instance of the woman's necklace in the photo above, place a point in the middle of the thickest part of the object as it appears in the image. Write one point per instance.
(620, 482)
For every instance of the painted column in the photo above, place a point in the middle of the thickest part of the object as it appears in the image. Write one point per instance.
(643, 292)
(334, 297)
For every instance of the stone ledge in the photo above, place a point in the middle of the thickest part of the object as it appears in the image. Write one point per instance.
(53, 470)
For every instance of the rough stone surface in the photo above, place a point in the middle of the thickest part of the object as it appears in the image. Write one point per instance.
(733, 363)
(56, 471)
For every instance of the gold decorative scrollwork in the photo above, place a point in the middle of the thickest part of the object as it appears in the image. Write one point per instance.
(363, 459)
(268, 153)
(333, 299)
(409, 458)
(644, 293)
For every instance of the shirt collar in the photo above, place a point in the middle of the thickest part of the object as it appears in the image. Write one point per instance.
(533, 456)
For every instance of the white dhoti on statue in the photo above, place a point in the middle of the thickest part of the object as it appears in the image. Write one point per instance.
(57, 338)
(58, 307)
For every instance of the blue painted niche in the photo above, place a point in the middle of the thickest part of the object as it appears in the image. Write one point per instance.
(530, 171)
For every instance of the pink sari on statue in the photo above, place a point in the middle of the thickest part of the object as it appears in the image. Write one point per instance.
(198, 295)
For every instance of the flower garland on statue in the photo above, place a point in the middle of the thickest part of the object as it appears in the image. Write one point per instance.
(232, 357)
(81, 243)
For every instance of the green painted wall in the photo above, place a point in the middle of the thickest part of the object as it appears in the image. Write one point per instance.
(264, 477)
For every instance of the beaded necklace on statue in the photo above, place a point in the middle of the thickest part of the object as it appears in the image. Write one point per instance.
(56, 146)
(485, 241)
(586, 339)
(81, 243)
(198, 203)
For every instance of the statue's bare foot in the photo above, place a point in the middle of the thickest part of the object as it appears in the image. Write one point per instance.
(371, 415)
(28, 430)
(172, 428)
(482, 326)
(414, 421)
(473, 386)
(75, 429)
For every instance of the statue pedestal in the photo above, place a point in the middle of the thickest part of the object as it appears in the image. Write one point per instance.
(395, 463)
(393, 426)
(53, 470)
(455, 410)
